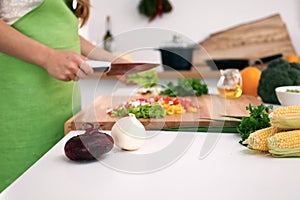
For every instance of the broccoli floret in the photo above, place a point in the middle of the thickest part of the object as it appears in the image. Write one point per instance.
(278, 73)
(295, 65)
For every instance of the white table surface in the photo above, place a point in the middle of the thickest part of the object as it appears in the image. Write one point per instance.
(230, 171)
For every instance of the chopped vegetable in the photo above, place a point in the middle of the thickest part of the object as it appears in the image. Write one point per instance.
(157, 107)
(293, 90)
(173, 109)
(156, 111)
(185, 87)
(145, 111)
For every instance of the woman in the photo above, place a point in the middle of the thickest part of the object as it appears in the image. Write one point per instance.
(41, 54)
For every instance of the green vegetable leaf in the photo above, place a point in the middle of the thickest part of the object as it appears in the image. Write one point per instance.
(145, 79)
(185, 87)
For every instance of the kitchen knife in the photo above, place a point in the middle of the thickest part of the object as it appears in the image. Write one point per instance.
(240, 63)
(99, 66)
(112, 69)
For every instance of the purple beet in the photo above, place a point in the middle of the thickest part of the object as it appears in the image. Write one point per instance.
(88, 146)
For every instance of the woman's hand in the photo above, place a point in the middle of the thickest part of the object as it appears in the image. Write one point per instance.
(61, 64)
(67, 65)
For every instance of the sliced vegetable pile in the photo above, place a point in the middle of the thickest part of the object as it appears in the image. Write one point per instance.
(291, 90)
(157, 107)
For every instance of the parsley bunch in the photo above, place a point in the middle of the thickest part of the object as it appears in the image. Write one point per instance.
(258, 119)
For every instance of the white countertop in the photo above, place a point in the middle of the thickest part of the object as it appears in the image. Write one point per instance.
(230, 171)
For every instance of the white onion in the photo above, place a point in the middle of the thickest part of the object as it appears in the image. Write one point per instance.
(128, 133)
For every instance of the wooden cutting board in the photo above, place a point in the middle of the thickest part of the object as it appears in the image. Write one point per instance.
(209, 106)
(250, 40)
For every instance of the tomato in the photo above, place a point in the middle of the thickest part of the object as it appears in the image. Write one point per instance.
(176, 101)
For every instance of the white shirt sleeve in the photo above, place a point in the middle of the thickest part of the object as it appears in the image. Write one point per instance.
(12, 10)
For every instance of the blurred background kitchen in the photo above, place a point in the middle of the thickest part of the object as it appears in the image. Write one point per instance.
(195, 20)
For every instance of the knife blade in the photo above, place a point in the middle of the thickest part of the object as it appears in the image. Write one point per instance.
(129, 68)
(112, 69)
(99, 66)
(240, 63)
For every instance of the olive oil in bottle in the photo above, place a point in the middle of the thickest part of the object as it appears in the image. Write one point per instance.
(228, 92)
(108, 37)
(230, 83)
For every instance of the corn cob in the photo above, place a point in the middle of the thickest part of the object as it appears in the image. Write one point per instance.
(286, 117)
(285, 144)
(258, 140)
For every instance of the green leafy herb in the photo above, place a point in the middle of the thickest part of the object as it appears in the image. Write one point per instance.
(258, 119)
(185, 87)
(145, 79)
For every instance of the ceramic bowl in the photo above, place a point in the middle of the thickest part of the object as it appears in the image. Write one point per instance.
(288, 98)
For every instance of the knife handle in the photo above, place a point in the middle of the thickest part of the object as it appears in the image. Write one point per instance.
(268, 59)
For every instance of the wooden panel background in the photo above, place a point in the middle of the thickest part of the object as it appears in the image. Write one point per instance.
(253, 40)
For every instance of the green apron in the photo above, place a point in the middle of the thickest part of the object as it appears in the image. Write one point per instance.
(34, 105)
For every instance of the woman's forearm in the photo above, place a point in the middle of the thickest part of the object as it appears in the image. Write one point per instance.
(18, 45)
(61, 64)
(95, 53)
